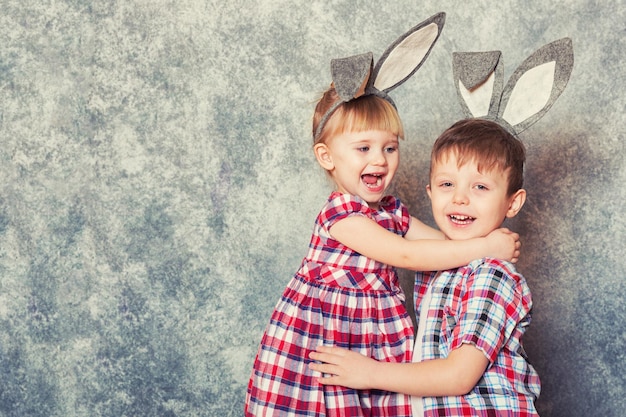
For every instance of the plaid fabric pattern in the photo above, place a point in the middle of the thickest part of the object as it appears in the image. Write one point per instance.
(488, 304)
(338, 297)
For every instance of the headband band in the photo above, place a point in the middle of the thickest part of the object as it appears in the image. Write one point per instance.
(529, 93)
(356, 76)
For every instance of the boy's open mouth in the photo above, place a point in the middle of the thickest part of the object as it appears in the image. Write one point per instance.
(461, 219)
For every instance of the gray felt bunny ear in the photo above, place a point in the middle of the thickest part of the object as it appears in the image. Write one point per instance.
(356, 76)
(528, 95)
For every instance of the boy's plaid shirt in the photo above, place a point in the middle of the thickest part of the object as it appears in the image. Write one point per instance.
(488, 304)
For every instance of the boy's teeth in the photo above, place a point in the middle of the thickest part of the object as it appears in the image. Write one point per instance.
(461, 219)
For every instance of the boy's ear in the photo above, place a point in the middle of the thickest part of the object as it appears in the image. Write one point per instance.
(428, 190)
(322, 153)
(517, 201)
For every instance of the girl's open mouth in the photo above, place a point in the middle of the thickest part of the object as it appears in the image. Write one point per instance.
(372, 180)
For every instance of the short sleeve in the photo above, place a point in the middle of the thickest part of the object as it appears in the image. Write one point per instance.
(340, 206)
(397, 215)
(491, 307)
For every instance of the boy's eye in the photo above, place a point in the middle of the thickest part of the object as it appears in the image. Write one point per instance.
(445, 184)
(481, 187)
(364, 148)
(391, 149)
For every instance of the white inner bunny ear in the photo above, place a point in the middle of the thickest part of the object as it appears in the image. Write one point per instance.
(406, 57)
(478, 99)
(530, 94)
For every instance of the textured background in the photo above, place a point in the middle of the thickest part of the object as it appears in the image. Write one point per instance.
(158, 190)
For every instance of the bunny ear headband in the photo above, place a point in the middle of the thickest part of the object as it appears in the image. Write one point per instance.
(530, 92)
(356, 76)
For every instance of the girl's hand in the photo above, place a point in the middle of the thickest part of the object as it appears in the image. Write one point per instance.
(504, 244)
(345, 367)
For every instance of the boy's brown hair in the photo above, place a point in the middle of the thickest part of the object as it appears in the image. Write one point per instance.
(488, 144)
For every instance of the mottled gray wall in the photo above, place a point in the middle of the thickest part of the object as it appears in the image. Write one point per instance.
(158, 190)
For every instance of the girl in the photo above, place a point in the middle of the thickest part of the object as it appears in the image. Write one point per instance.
(346, 292)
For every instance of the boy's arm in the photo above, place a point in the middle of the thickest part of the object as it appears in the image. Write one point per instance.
(365, 236)
(452, 376)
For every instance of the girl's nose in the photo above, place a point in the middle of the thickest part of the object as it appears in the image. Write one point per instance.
(378, 158)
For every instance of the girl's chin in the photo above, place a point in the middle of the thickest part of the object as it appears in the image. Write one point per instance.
(372, 195)
(374, 191)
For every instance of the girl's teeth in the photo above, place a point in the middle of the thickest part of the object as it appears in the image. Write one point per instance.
(371, 180)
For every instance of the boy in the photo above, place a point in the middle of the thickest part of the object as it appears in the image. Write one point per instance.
(468, 358)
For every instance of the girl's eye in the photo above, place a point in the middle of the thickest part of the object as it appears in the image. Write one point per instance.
(391, 149)
(364, 148)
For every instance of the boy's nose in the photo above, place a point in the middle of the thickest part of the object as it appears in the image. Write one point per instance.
(460, 197)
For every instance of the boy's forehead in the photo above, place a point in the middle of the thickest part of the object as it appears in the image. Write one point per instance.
(452, 157)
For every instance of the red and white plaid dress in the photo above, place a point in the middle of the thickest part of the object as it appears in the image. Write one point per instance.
(341, 298)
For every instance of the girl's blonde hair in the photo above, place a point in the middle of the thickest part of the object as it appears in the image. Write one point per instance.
(368, 112)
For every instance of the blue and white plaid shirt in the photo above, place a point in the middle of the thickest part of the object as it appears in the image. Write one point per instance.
(488, 304)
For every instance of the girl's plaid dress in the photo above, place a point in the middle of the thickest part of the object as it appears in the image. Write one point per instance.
(338, 297)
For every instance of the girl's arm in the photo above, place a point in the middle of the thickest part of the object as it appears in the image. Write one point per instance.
(452, 376)
(420, 230)
(365, 236)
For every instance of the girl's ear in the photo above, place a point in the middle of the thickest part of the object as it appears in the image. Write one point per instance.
(517, 201)
(322, 153)
(428, 191)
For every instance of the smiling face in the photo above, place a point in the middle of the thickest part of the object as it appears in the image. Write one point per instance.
(476, 178)
(361, 163)
(468, 202)
(358, 146)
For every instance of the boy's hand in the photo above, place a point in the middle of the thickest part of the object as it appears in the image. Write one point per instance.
(345, 367)
(504, 244)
